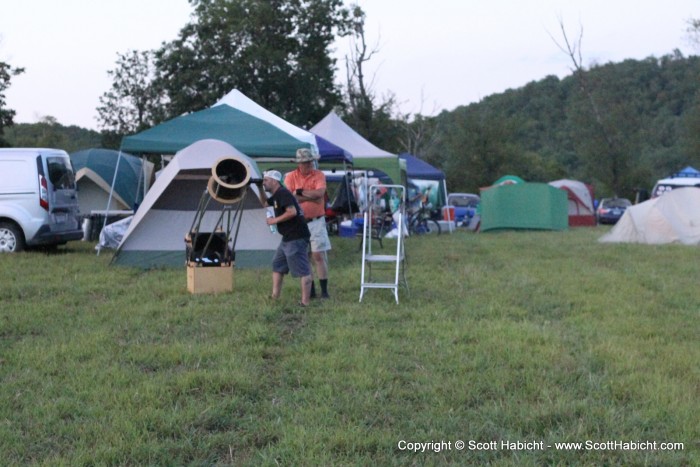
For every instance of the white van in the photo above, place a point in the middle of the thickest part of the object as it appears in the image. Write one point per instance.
(686, 177)
(38, 199)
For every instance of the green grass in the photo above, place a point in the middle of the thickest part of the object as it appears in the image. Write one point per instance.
(517, 336)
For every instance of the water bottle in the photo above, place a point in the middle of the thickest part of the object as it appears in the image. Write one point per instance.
(270, 213)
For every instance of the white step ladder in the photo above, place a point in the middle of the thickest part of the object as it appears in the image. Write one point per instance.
(369, 258)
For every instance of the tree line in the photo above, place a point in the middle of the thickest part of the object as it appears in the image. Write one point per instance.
(645, 126)
(617, 126)
(276, 52)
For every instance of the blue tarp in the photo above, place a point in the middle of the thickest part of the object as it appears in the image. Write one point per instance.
(421, 170)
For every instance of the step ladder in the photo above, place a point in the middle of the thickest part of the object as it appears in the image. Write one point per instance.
(369, 258)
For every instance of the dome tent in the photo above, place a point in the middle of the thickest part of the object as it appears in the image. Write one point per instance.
(155, 237)
(94, 173)
(671, 218)
(581, 210)
(508, 180)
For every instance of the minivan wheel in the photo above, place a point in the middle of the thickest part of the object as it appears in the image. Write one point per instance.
(11, 238)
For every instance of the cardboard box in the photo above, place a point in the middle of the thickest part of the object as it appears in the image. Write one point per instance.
(209, 279)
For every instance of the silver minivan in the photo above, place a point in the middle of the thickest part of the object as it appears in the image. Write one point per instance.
(38, 199)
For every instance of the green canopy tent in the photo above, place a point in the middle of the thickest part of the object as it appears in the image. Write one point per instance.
(250, 135)
(235, 120)
(524, 206)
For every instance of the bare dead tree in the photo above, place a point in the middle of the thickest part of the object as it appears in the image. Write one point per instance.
(419, 133)
(693, 32)
(574, 51)
(361, 99)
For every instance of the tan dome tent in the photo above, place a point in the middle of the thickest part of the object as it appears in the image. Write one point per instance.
(156, 235)
(673, 217)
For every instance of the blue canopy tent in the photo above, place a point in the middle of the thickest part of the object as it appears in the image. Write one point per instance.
(329, 152)
(687, 172)
(418, 172)
(421, 170)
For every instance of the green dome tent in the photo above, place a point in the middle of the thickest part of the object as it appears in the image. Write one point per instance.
(94, 173)
(508, 180)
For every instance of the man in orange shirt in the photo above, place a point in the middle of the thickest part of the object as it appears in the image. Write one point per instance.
(309, 187)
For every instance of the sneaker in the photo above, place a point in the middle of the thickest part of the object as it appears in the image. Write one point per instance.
(325, 295)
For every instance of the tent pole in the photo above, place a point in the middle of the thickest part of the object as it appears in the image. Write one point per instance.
(111, 192)
(348, 190)
(142, 175)
(449, 223)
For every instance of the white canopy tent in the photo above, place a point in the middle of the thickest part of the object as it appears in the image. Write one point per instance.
(366, 156)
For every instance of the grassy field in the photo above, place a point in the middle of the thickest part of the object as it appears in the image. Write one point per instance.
(532, 337)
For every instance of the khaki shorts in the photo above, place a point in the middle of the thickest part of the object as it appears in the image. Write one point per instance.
(319, 235)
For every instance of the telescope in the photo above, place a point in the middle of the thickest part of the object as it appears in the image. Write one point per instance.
(229, 179)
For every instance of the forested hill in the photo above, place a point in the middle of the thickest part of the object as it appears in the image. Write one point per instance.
(618, 126)
(51, 134)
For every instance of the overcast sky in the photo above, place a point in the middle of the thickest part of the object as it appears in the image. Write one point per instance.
(433, 54)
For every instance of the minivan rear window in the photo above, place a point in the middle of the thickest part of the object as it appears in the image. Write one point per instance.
(61, 173)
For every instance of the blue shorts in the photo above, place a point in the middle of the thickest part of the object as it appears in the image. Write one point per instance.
(292, 256)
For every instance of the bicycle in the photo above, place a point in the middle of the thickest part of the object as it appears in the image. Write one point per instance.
(421, 222)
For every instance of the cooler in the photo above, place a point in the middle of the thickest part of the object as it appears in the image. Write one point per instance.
(347, 229)
(448, 213)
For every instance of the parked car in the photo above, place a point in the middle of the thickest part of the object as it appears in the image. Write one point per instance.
(465, 206)
(38, 199)
(610, 210)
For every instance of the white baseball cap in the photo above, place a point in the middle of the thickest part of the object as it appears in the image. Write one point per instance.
(273, 174)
